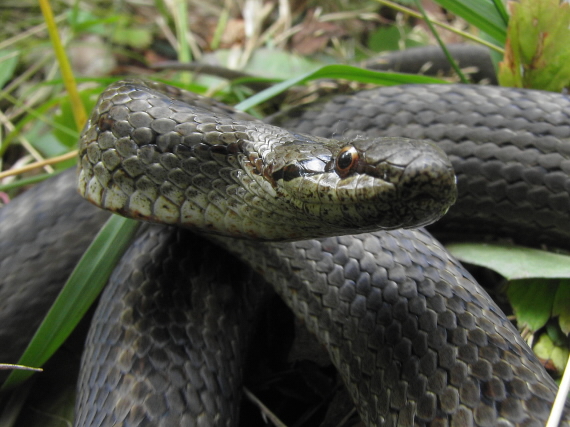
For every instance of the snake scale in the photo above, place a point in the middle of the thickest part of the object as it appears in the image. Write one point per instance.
(415, 338)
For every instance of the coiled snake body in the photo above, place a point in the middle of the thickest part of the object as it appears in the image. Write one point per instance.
(415, 338)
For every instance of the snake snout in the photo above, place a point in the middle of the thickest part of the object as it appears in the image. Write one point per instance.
(428, 187)
(422, 179)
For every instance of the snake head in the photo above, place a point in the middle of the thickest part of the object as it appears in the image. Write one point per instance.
(366, 185)
(160, 154)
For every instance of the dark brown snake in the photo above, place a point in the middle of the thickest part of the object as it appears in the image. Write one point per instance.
(414, 337)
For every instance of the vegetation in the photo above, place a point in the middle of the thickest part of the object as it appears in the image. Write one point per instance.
(43, 103)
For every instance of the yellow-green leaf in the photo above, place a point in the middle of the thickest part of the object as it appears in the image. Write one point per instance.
(547, 350)
(532, 301)
(537, 53)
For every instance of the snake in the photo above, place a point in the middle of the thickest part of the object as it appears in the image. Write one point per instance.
(414, 337)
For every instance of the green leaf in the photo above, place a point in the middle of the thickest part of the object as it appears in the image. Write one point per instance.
(513, 262)
(392, 38)
(537, 54)
(532, 301)
(561, 306)
(138, 38)
(483, 14)
(346, 72)
(84, 284)
(8, 62)
(547, 350)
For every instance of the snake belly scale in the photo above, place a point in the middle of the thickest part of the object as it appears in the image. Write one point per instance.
(415, 338)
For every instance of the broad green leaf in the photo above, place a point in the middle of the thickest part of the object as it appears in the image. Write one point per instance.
(538, 289)
(513, 262)
(483, 14)
(84, 285)
(346, 72)
(532, 301)
(537, 53)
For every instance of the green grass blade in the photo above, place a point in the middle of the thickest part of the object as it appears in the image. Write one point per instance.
(26, 181)
(494, 46)
(442, 45)
(482, 14)
(346, 72)
(502, 11)
(84, 284)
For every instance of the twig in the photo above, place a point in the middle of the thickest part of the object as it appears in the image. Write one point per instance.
(32, 166)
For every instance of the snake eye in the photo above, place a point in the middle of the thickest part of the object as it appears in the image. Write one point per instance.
(346, 160)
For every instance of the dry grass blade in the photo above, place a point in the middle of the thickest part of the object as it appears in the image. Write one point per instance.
(40, 164)
(11, 366)
(264, 409)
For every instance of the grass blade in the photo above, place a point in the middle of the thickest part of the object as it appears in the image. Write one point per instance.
(483, 14)
(83, 286)
(67, 73)
(450, 59)
(346, 72)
